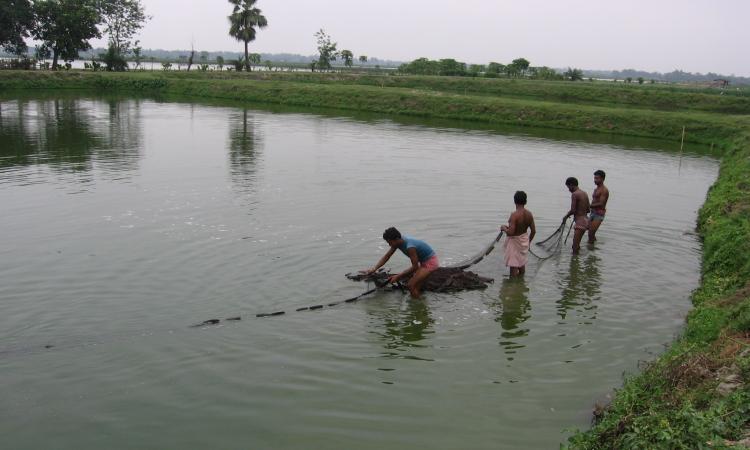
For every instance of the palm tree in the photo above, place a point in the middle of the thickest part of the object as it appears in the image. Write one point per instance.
(243, 21)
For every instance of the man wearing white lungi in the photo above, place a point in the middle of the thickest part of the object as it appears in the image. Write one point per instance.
(518, 240)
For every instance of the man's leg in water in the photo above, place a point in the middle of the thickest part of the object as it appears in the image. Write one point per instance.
(592, 230)
(577, 236)
(416, 282)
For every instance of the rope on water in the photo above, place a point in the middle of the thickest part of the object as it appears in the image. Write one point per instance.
(304, 308)
(381, 284)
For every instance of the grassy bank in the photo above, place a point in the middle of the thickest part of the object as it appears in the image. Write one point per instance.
(696, 395)
(702, 127)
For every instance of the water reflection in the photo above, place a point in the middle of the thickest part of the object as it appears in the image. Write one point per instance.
(403, 328)
(580, 287)
(121, 135)
(514, 311)
(244, 143)
(70, 135)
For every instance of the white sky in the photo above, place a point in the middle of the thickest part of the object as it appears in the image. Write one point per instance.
(654, 35)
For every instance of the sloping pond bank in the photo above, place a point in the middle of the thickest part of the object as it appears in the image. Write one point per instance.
(694, 395)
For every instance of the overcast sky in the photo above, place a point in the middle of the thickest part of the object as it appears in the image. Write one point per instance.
(653, 35)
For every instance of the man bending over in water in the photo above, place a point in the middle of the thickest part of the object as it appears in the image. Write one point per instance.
(517, 240)
(423, 259)
(579, 209)
(598, 204)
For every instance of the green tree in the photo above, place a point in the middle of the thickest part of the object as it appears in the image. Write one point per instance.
(244, 23)
(573, 74)
(190, 58)
(121, 19)
(137, 54)
(204, 57)
(16, 20)
(362, 59)
(254, 58)
(238, 63)
(546, 73)
(476, 69)
(65, 27)
(421, 66)
(114, 60)
(451, 67)
(640, 80)
(520, 66)
(495, 68)
(348, 57)
(220, 62)
(326, 50)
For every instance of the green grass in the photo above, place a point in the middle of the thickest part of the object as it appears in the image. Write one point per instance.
(436, 100)
(673, 402)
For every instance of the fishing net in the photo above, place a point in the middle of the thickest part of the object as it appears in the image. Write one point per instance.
(465, 264)
(442, 279)
(552, 244)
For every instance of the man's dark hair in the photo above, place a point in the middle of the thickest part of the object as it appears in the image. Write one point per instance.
(391, 234)
(571, 181)
(519, 198)
(600, 173)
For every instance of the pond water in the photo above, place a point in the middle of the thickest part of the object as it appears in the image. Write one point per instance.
(127, 220)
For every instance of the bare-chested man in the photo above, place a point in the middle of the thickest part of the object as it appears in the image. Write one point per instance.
(579, 209)
(598, 204)
(517, 241)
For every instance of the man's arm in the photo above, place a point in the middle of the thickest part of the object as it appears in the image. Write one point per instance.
(382, 261)
(510, 229)
(533, 229)
(412, 253)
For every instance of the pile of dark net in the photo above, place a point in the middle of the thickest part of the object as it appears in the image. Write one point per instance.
(443, 279)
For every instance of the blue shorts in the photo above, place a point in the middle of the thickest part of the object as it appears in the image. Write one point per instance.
(596, 217)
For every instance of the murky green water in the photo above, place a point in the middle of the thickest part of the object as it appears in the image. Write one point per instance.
(125, 221)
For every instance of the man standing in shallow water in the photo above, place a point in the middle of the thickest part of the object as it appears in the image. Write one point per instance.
(517, 240)
(598, 204)
(579, 209)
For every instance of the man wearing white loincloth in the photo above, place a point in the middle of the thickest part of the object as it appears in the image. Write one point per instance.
(518, 240)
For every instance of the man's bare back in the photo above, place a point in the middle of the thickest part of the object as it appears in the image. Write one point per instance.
(519, 222)
(579, 203)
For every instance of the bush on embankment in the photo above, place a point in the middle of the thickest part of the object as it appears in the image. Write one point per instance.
(696, 395)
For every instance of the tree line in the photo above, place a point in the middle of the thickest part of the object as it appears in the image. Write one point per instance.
(518, 68)
(64, 28)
